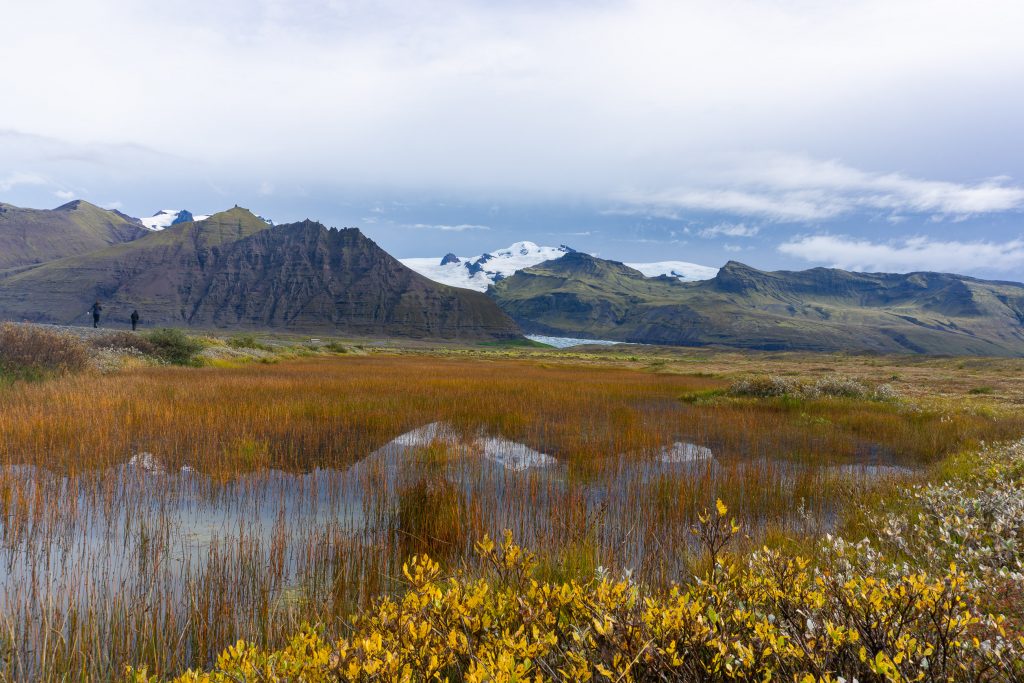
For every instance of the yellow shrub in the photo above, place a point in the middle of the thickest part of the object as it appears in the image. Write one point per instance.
(775, 617)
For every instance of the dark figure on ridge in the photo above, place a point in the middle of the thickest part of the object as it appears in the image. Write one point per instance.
(134, 319)
(96, 308)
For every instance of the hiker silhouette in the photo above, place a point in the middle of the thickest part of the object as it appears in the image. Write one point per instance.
(96, 309)
(135, 319)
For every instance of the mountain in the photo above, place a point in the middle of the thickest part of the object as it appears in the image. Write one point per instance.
(165, 218)
(480, 272)
(821, 309)
(234, 271)
(31, 236)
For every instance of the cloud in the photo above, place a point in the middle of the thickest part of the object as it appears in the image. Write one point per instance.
(907, 254)
(456, 94)
(448, 228)
(729, 230)
(12, 180)
(799, 189)
(66, 195)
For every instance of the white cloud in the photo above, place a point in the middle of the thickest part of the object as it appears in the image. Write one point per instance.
(729, 230)
(65, 195)
(463, 227)
(114, 205)
(787, 206)
(800, 189)
(564, 96)
(12, 180)
(912, 253)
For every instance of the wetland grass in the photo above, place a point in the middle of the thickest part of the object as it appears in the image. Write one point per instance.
(153, 516)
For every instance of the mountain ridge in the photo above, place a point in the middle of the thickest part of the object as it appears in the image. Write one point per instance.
(819, 309)
(33, 236)
(480, 272)
(234, 270)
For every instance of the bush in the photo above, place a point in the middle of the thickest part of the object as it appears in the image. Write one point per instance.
(174, 346)
(885, 392)
(336, 347)
(833, 386)
(837, 386)
(774, 617)
(30, 352)
(246, 341)
(765, 387)
(124, 341)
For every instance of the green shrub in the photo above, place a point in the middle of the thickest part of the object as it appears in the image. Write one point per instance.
(174, 346)
(336, 347)
(246, 341)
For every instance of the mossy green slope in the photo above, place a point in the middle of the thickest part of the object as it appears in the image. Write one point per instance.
(33, 236)
(820, 309)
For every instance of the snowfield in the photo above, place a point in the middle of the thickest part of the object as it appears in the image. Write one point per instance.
(479, 272)
(685, 271)
(165, 218)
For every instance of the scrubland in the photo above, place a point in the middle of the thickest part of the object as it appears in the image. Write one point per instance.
(670, 514)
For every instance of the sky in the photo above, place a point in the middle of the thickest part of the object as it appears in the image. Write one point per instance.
(880, 135)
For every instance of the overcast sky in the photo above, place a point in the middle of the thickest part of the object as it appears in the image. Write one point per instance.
(868, 134)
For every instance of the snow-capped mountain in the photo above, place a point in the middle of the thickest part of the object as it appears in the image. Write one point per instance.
(168, 217)
(478, 272)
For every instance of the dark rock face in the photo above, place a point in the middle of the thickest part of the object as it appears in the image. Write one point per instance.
(305, 276)
(450, 258)
(234, 271)
(183, 216)
(478, 265)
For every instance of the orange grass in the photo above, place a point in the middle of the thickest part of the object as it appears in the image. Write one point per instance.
(280, 521)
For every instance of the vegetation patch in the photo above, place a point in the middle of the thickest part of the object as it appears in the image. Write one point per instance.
(833, 386)
(174, 346)
(125, 342)
(247, 341)
(30, 352)
(848, 614)
(284, 487)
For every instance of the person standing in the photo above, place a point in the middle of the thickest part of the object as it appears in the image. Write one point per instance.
(134, 319)
(96, 309)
